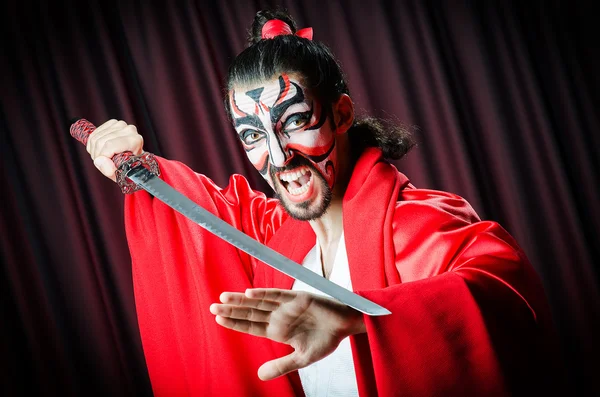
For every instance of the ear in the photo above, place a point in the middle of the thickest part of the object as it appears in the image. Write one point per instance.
(343, 114)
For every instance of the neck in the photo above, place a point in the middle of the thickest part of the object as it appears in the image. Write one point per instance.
(329, 226)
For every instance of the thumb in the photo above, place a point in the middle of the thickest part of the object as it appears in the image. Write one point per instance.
(281, 366)
(106, 167)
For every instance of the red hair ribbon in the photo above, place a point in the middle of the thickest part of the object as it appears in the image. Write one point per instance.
(276, 27)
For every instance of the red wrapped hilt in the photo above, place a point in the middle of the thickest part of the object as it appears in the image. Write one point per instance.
(81, 130)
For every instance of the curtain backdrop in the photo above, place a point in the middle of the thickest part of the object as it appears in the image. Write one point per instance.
(504, 95)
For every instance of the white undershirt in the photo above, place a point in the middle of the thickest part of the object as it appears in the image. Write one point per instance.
(334, 375)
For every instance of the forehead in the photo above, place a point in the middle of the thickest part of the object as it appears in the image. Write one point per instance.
(270, 91)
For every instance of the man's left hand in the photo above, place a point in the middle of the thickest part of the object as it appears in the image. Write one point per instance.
(313, 325)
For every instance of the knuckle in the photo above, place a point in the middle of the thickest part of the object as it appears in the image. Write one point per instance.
(252, 328)
(130, 129)
(106, 146)
(261, 304)
(100, 142)
(243, 327)
(107, 123)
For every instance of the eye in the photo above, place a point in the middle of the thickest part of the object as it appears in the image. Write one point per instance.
(250, 137)
(296, 121)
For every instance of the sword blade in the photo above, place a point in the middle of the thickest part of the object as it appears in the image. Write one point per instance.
(180, 203)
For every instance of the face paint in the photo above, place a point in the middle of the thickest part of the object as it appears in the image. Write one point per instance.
(288, 137)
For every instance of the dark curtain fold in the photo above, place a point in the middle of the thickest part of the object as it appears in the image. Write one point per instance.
(504, 96)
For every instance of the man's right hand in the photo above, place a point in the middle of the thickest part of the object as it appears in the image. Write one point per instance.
(113, 137)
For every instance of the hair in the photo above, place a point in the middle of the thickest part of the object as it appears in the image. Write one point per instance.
(320, 71)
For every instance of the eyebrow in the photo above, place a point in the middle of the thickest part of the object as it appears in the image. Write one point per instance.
(252, 120)
(276, 111)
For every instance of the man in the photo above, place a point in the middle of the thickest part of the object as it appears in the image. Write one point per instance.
(468, 312)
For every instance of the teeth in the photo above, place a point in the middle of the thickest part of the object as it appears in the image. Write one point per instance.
(293, 175)
(298, 191)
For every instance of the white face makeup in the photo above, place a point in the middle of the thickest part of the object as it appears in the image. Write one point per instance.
(288, 137)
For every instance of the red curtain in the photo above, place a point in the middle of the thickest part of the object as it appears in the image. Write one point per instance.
(505, 96)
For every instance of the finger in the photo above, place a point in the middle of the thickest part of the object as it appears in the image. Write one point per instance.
(281, 366)
(238, 299)
(102, 130)
(118, 143)
(98, 141)
(106, 167)
(248, 327)
(271, 294)
(97, 138)
(107, 124)
(240, 313)
(119, 130)
(97, 135)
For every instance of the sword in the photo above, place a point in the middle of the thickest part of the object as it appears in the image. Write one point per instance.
(141, 172)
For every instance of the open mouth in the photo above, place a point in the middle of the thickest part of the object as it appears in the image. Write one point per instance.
(296, 182)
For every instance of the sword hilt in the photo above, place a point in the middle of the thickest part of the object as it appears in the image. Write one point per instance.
(125, 161)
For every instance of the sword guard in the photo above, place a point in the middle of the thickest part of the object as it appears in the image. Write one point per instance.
(146, 160)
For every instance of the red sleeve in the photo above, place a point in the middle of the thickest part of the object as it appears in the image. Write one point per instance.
(179, 269)
(248, 210)
(469, 315)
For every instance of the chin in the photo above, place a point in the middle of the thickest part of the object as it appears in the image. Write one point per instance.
(306, 212)
(313, 207)
(301, 189)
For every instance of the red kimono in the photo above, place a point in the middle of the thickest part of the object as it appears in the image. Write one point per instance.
(469, 315)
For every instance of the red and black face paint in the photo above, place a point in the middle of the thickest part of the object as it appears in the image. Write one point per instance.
(277, 121)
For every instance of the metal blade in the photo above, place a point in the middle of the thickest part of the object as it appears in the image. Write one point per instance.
(180, 203)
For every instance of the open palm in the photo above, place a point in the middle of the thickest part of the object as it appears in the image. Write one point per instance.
(313, 325)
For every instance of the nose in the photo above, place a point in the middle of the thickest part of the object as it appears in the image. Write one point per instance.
(279, 155)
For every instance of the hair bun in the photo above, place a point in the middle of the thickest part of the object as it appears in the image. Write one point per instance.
(262, 17)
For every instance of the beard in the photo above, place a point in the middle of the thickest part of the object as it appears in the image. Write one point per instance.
(308, 210)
